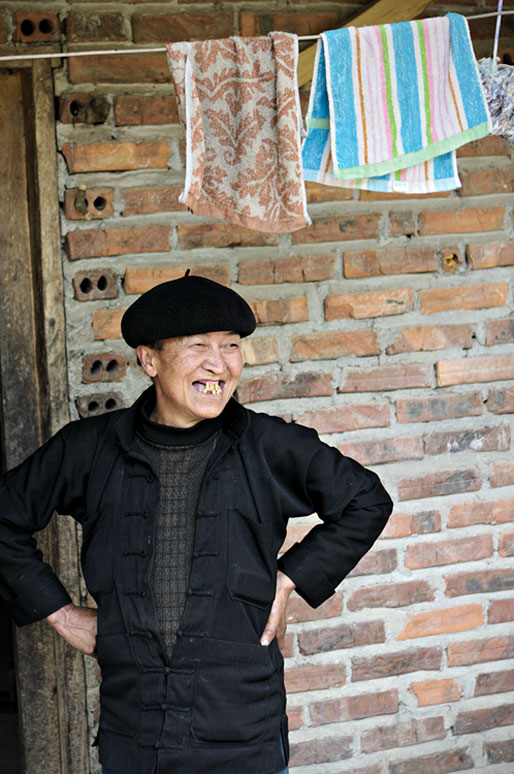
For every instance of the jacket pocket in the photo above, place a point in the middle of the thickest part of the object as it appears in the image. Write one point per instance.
(232, 698)
(119, 689)
(96, 556)
(252, 560)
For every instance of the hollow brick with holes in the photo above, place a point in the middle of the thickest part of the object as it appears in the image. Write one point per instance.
(35, 27)
(99, 403)
(83, 108)
(103, 367)
(88, 204)
(95, 284)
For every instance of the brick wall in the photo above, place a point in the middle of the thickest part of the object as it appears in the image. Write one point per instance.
(387, 325)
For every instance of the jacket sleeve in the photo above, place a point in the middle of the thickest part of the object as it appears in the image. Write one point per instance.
(354, 508)
(49, 480)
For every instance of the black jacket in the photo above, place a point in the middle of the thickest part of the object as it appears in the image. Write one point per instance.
(219, 705)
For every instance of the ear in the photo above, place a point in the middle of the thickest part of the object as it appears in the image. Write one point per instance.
(146, 357)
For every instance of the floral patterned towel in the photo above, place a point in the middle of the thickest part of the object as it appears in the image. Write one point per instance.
(238, 99)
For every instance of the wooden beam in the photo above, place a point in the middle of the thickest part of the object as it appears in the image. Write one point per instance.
(381, 12)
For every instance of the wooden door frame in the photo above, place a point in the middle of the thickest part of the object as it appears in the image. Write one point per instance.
(50, 676)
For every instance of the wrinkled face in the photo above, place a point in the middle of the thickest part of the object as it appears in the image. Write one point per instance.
(194, 376)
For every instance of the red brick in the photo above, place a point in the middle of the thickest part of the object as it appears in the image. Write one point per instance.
(342, 636)
(399, 663)
(97, 203)
(146, 201)
(316, 192)
(501, 474)
(116, 156)
(279, 312)
(192, 236)
(337, 748)
(444, 482)
(478, 651)
(334, 344)
(491, 145)
(299, 610)
(269, 271)
(314, 677)
(139, 279)
(499, 332)
(376, 303)
(406, 524)
(403, 224)
(295, 718)
(33, 27)
(475, 369)
(83, 108)
(385, 196)
(430, 554)
(479, 582)
(427, 338)
(403, 734)
(252, 24)
(479, 720)
(461, 221)
(452, 259)
(500, 611)
(338, 229)
(399, 260)
(95, 27)
(387, 450)
(280, 385)
(117, 241)
(485, 439)
(259, 351)
(391, 595)
(138, 110)
(506, 547)
(356, 707)
(442, 763)
(112, 68)
(376, 562)
(107, 324)
(172, 27)
(103, 367)
(497, 752)
(341, 419)
(490, 255)
(439, 407)
(491, 180)
(494, 682)
(387, 377)
(468, 297)
(501, 400)
(432, 622)
(468, 514)
(430, 692)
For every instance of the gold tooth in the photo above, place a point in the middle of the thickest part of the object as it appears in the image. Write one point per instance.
(212, 387)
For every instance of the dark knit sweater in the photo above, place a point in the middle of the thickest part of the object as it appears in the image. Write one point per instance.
(179, 458)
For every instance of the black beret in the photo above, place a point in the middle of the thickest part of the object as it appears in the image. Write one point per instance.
(183, 307)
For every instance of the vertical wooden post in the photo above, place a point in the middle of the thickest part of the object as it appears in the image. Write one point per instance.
(50, 676)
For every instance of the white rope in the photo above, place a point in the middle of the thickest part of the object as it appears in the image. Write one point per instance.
(162, 49)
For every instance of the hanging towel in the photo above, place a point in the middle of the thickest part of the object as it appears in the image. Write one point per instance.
(391, 97)
(499, 92)
(238, 99)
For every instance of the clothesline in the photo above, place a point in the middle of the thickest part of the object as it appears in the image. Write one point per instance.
(162, 49)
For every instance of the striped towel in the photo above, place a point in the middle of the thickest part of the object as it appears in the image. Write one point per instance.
(390, 104)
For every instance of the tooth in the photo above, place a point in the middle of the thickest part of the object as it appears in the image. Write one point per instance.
(213, 388)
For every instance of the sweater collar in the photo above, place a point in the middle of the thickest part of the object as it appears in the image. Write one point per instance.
(234, 419)
(164, 435)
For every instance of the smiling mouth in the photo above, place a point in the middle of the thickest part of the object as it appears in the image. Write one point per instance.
(209, 388)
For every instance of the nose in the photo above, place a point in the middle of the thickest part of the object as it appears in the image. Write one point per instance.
(214, 361)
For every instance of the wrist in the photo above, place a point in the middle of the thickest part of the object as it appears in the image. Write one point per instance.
(59, 617)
